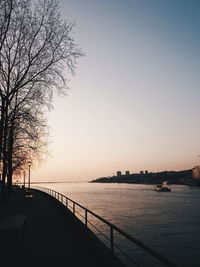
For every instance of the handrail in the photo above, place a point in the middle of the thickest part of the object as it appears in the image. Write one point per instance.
(140, 244)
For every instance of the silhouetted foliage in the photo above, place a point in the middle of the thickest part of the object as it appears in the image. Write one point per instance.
(36, 52)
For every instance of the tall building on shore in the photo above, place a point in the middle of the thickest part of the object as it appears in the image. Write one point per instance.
(196, 172)
(119, 174)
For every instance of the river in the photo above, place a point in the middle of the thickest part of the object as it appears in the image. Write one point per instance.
(168, 222)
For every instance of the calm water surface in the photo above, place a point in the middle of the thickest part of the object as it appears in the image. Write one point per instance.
(167, 222)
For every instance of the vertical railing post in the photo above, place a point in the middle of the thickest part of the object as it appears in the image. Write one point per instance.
(73, 207)
(111, 240)
(67, 202)
(62, 198)
(86, 218)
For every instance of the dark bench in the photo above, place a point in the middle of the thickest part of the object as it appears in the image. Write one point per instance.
(12, 222)
(11, 228)
(11, 239)
(28, 194)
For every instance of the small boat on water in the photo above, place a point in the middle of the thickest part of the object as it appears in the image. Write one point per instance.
(162, 187)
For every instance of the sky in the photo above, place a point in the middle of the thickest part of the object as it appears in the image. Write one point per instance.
(133, 102)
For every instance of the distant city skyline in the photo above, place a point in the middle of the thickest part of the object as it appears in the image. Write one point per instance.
(134, 100)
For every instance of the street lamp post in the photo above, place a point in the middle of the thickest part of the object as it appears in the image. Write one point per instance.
(24, 178)
(29, 174)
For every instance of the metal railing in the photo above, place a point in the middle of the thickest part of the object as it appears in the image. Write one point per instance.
(71, 205)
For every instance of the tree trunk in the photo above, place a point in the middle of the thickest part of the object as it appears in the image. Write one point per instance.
(9, 160)
(4, 148)
(1, 136)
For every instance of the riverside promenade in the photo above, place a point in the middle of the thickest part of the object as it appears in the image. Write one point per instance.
(51, 236)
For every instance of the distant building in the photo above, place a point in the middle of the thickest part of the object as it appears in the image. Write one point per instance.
(196, 172)
(119, 174)
(127, 173)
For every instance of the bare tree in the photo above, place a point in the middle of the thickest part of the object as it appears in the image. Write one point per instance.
(27, 135)
(36, 52)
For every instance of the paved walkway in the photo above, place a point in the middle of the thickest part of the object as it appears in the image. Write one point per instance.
(51, 236)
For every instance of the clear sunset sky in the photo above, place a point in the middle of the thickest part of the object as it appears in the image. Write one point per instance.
(134, 103)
